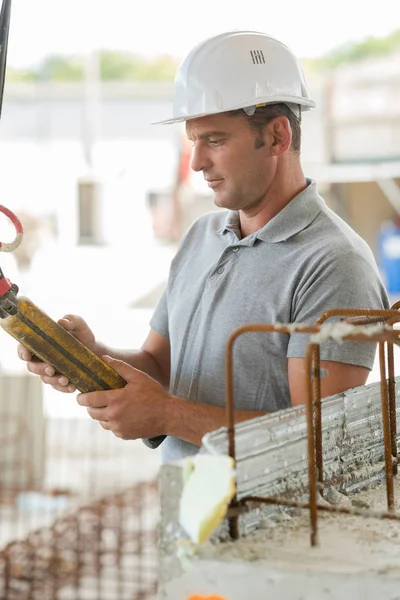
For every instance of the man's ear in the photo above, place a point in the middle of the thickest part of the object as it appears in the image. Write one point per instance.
(281, 134)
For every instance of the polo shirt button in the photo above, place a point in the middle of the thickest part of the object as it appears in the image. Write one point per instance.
(220, 270)
(235, 249)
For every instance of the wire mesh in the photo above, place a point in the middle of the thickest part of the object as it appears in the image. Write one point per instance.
(79, 508)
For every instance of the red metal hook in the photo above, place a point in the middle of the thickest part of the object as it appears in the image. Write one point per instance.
(9, 247)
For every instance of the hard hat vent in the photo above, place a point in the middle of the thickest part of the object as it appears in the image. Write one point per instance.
(257, 57)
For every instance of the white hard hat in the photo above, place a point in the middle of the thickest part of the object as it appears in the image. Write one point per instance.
(237, 69)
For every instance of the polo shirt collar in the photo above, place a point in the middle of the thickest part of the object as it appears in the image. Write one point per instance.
(296, 216)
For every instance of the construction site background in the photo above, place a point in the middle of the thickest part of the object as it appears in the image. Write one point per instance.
(95, 190)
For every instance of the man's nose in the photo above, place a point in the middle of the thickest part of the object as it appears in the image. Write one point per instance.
(200, 159)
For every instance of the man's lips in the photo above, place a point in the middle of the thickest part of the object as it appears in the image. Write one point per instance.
(212, 183)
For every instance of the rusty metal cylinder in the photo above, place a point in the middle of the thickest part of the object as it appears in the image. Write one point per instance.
(51, 343)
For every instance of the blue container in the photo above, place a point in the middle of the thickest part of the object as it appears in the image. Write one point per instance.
(389, 256)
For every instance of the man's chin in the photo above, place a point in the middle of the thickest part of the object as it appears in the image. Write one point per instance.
(223, 200)
(220, 198)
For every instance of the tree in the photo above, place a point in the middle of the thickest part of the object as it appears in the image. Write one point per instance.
(118, 66)
(125, 66)
(20, 75)
(130, 67)
(60, 68)
(368, 48)
(114, 66)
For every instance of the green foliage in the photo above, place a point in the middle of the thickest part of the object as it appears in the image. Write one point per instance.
(162, 68)
(20, 75)
(118, 66)
(60, 68)
(113, 66)
(124, 66)
(354, 52)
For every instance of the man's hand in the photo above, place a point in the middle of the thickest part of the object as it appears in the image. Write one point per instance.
(135, 411)
(47, 373)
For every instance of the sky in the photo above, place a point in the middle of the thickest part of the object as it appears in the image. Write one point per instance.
(310, 28)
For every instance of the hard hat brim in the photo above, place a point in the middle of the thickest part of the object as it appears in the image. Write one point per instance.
(305, 103)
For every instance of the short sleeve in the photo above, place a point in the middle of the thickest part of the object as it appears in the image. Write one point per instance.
(345, 281)
(159, 320)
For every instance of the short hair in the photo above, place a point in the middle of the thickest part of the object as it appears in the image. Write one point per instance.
(265, 114)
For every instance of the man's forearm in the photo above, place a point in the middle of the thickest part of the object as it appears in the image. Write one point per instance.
(190, 421)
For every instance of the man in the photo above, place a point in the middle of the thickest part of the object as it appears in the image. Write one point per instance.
(277, 254)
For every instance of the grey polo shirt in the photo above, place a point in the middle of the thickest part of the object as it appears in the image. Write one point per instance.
(305, 261)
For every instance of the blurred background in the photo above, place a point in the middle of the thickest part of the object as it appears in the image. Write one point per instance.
(104, 196)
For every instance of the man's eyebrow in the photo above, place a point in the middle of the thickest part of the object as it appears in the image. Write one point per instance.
(208, 134)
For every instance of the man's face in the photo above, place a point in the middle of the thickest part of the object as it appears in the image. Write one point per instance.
(236, 168)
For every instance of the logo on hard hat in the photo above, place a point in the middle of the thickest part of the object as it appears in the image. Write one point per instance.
(257, 57)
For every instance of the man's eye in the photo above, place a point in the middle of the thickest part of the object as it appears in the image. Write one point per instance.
(215, 142)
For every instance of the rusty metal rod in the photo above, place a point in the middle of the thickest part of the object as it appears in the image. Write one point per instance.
(78, 556)
(358, 512)
(392, 398)
(386, 430)
(388, 335)
(317, 413)
(364, 320)
(312, 479)
(364, 317)
(359, 312)
(234, 522)
(392, 404)
(7, 574)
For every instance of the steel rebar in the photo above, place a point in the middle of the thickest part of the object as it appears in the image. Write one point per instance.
(313, 406)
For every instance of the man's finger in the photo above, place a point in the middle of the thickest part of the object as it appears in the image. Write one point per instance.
(98, 414)
(126, 371)
(69, 389)
(54, 382)
(92, 400)
(23, 353)
(37, 368)
(106, 425)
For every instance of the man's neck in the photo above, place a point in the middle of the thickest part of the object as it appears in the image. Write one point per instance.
(275, 201)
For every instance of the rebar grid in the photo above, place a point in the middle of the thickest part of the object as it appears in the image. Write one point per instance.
(387, 334)
(109, 545)
(357, 317)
